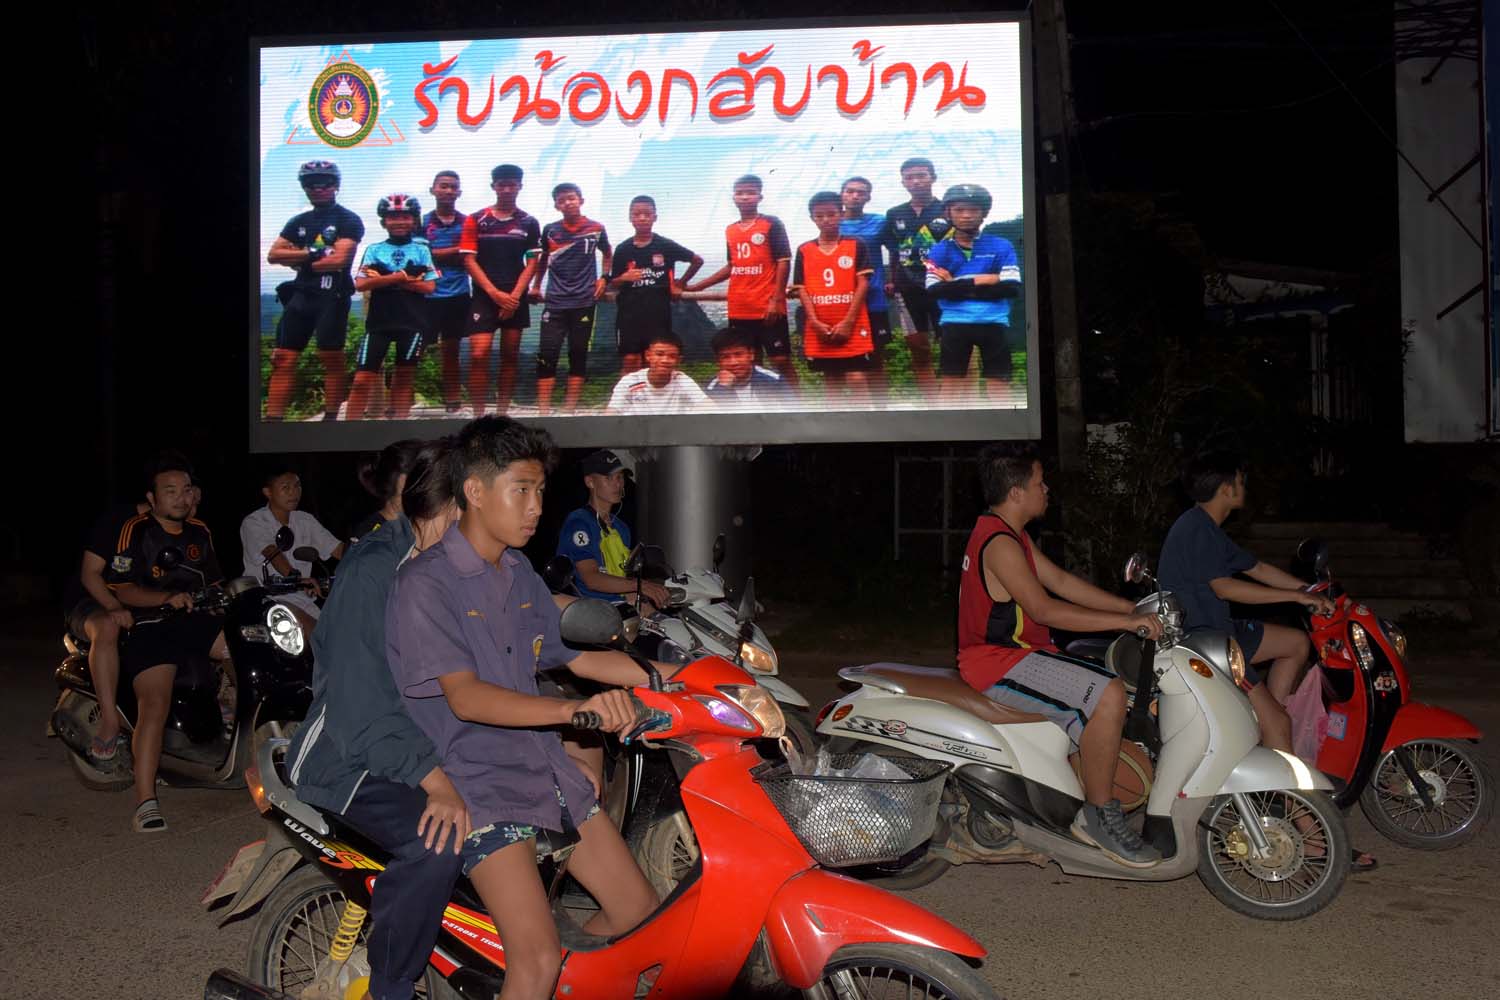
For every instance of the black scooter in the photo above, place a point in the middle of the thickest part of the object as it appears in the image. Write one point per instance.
(219, 711)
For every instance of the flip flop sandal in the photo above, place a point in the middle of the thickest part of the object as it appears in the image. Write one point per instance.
(104, 753)
(148, 818)
(1362, 861)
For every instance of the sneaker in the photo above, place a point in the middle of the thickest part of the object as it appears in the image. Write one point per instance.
(148, 818)
(1105, 827)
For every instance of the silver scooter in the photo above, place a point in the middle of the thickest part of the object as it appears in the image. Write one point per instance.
(1257, 825)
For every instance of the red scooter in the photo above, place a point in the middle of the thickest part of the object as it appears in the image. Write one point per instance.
(1413, 767)
(753, 911)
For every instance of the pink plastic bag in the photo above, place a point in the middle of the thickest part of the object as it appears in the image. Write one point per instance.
(1309, 717)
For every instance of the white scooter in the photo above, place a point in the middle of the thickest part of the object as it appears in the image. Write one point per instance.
(700, 621)
(1012, 795)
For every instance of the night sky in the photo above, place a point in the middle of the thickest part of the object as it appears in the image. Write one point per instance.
(1220, 111)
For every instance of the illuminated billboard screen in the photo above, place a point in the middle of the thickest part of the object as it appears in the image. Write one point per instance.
(775, 232)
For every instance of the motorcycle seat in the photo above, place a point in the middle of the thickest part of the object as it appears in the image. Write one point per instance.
(938, 684)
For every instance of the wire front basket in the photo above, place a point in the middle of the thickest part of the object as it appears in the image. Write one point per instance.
(846, 820)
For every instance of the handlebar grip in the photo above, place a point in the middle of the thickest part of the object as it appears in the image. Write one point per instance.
(587, 720)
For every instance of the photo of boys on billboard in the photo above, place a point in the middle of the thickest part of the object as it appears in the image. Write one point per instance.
(788, 288)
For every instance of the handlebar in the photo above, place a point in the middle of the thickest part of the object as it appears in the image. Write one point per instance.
(647, 719)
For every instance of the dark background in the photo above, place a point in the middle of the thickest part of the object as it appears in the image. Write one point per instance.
(1218, 118)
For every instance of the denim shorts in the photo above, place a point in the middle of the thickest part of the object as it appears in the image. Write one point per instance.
(486, 840)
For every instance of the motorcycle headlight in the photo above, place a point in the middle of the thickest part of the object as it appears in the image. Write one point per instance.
(757, 703)
(1394, 633)
(286, 631)
(758, 658)
(1236, 663)
(1360, 640)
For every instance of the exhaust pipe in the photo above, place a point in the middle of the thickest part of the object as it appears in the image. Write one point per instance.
(226, 985)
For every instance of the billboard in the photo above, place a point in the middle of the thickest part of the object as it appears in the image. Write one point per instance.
(778, 232)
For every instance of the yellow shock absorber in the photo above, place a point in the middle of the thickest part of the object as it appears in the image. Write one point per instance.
(348, 933)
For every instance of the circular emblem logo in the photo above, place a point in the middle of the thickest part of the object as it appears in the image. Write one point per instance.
(343, 105)
(580, 538)
(758, 239)
(194, 553)
(846, 262)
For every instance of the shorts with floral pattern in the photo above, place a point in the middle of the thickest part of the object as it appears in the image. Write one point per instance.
(486, 840)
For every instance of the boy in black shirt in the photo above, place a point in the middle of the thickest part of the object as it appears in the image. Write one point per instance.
(912, 229)
(643, 274)
(398, 273)
(319, 245)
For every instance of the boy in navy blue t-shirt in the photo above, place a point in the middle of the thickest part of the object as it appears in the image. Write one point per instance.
(448, 305)
(568, 262)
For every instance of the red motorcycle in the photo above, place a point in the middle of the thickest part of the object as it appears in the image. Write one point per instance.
(751, 909)
(1413, 767)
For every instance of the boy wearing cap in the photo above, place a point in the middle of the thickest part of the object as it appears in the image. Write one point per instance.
(597, 541)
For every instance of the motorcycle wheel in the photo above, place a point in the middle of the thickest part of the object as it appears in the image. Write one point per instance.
(799, 729)
(878, 971)
(294, 930)
(1289, 884)
(667, 852)
(1462, 789)
(94, 779)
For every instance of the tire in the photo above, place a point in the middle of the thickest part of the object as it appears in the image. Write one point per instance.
(925, 870)
(799, 729)
(307, 907)
(666, 851)
(1465, 798)
(905, 970)
(95, 780)
(1291, 885)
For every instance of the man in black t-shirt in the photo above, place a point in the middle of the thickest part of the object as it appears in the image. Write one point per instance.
(95, 614)
(155, 649)
(645, 281)
(912, 229)
(319, 246)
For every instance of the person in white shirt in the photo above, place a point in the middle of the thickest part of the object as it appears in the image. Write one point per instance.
(282, 489)
(659, 387)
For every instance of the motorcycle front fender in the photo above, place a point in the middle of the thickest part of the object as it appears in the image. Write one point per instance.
(1416, 721)
(781, 691)
(816, 913)
(1266, 770)
(252, 877)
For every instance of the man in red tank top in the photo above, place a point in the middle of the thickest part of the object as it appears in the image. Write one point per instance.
(1009, 596)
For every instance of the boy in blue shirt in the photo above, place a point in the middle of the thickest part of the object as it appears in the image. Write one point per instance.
(973, 276)
(399, 275)
(874, 232)
(448, 305)
(597, 541)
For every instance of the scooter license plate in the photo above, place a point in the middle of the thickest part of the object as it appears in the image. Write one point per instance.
(232, 878)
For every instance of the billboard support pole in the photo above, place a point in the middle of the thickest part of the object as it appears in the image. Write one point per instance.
(1054, 114)
(687, 495)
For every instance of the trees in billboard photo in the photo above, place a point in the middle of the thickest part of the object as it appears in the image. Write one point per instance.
(731, 93)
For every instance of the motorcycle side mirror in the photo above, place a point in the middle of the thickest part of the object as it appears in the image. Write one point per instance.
(635, 560)
(720, 545)
(307, 554)
(558, 573)
(1136, 570)
(169, 558)
(589, 622)
(746, 612)
(285, 539)
(1313, 553)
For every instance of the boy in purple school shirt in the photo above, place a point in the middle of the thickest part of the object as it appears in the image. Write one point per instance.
(469, 625)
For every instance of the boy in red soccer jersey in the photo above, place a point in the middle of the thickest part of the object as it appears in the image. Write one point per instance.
(759, 259)
(832, 277)
(568, 262)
